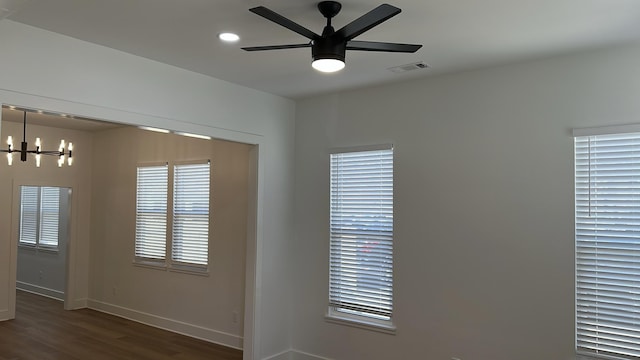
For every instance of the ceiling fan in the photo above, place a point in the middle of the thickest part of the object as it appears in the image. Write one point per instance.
(328, 50)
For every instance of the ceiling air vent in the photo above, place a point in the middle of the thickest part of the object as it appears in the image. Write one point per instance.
(8, 7)
(409, 67)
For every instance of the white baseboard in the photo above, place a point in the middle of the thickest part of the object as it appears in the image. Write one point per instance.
(4, 315)
(295, 355)
(301, 355)
(285, 355)
(40, 290)
(179, 327)
(76, 304)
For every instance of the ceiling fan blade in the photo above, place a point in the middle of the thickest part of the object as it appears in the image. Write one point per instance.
(367, 21)
(276, 47)
(283, 21)
(382, 46)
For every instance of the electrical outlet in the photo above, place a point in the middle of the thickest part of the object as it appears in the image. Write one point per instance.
(234, 315)
(40, 275)
(114, 291)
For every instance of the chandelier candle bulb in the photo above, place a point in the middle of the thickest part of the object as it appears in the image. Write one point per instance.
(70, 159)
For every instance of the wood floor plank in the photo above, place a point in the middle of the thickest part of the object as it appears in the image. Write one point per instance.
(43, 330)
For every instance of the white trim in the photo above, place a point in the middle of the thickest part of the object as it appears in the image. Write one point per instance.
(606, 130)
(361, 324)
(198, 332)
(581, 356)
(301, 355)
(5, 314)
(40, 290)
(348, 149)
(75, 304)
(284, 355)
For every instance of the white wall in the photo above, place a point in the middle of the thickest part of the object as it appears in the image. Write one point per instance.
(484, 246)
(53, 72)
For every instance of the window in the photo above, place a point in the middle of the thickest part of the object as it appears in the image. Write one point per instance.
(361, 237)
(39, 216)
(188, 223)
(607, 230)
(151, 212)
(191, 214)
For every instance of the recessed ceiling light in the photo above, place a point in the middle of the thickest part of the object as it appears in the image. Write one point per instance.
(228, 37)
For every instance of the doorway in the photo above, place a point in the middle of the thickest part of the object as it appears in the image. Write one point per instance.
(44, 222)
(106, 292)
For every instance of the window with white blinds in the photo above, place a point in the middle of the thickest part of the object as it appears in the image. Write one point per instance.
(151, 212)
(607, 221)
(190, 243)
(39, 216)
(29, 215)
(361, 235)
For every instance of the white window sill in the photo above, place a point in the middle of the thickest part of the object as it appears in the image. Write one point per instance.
(157, 265)
(35, 248)
(584, 356)
(177, 268)
(187, 269)
(361, 324)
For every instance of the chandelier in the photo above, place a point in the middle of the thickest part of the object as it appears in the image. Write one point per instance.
(64, 150)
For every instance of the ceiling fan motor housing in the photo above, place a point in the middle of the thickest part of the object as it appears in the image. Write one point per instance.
(328, 48)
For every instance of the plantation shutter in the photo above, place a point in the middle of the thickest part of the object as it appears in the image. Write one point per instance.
(28, 215)
(151, 212)
(49, 216)
(191, 214)
(361, 233)
(607, 220)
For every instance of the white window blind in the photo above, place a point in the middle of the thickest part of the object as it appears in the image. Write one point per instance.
(49, 216)
(190, 242)
(151, 212)
(607, 220)
(361, 231)
(29, 215)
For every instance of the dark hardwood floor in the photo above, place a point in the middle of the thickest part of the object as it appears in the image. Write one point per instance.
(43, 330)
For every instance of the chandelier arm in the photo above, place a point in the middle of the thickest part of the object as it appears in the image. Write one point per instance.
(47, 152)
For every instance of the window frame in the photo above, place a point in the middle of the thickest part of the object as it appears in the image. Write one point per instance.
(180, 265)
(168, 262)
(40, 220)
(383, 231)
(154, 261)
(602, 240)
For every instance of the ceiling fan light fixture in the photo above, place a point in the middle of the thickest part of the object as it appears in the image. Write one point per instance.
(328, 65)
(228, 37)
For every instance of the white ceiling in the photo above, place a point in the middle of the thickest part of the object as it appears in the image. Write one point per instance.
(457, 35)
